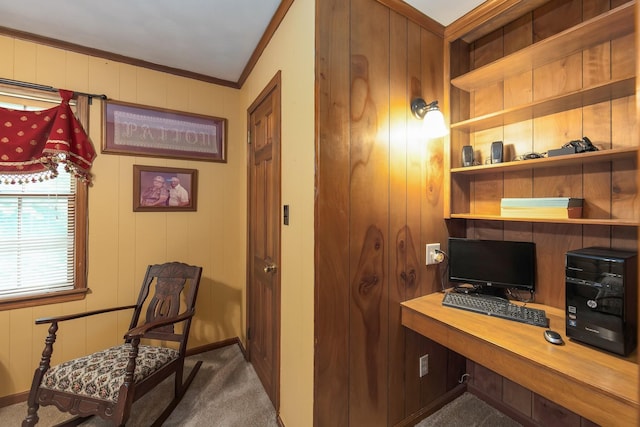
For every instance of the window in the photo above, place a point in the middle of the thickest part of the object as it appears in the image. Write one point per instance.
(42, 240)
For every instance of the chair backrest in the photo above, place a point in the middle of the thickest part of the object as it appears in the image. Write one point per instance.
(167, 291)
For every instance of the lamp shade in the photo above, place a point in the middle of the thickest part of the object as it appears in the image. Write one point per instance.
(432, 119)
(434, 125)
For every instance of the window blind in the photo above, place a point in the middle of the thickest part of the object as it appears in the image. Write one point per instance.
(37, 236)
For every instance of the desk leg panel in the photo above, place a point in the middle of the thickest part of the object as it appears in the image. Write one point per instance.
(425, 326)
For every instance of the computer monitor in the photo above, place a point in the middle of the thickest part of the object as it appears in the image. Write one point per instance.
(492, 266)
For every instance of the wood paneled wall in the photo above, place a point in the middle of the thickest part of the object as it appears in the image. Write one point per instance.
(521, 404)
(609, 188)
(380, 194)
(379, 200)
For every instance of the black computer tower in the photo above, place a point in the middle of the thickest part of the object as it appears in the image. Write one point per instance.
(601, 298)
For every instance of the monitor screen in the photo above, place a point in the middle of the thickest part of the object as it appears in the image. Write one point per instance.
(492, 263)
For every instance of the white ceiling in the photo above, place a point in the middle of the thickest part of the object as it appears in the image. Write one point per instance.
(444, 11)
(214, 38)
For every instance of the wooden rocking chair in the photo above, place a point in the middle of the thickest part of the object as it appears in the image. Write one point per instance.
(106, 383)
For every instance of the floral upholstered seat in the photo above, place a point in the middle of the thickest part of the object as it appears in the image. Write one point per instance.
(100, 375)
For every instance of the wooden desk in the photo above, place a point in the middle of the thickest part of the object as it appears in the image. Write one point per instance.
(594, 384)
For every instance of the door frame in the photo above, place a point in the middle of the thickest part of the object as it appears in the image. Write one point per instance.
(273, 85)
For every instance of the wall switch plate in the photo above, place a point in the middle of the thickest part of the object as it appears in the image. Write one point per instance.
(432, 249)
(424, 365)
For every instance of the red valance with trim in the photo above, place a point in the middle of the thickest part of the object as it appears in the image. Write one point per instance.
(33, 143)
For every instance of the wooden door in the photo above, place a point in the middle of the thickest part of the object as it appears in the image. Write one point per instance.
(263, 291)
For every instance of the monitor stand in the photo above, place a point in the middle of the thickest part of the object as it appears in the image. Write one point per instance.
(467, 288)
(493, 292)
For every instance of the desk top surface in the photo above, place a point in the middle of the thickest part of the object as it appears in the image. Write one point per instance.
(585, 367)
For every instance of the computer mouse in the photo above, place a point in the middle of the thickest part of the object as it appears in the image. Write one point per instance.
(553, 337)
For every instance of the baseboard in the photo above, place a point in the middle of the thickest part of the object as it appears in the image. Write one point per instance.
(13, 399)
(423, 413)
(214, 346)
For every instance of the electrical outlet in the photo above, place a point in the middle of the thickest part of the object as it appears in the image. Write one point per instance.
(432, 251)
(424, 365)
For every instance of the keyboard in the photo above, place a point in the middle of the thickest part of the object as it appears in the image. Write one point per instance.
(497, 307)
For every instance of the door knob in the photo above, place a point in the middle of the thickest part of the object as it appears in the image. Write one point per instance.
(269, 268)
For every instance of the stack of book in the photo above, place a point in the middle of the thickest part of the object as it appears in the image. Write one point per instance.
(541, 207)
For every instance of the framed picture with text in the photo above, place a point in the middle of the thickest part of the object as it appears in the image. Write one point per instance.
(136, 130)
(158, 189)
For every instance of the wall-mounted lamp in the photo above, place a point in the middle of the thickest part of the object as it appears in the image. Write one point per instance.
(433, 120)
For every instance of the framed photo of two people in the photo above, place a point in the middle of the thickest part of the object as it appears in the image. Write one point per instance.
(157, 189)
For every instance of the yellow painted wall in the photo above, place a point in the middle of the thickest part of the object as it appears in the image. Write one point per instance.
(292, 52)
(122, 242)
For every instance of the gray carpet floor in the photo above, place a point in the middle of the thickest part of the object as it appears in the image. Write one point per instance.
(226, 392)
(468, 411)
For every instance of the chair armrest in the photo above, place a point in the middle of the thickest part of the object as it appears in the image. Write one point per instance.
(139, 331)
(56, 319)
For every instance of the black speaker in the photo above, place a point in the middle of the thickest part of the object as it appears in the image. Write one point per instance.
(497, 152)
(467, 155)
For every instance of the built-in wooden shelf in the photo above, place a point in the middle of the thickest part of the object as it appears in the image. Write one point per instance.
(576, 99)
(559, 161)
(581, 221)
(608, 26)
(546, 162)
